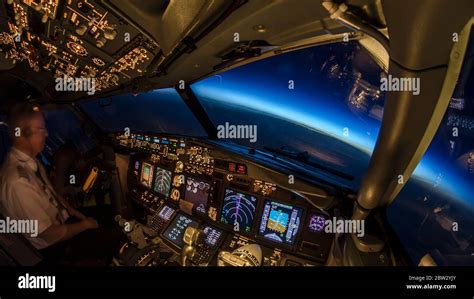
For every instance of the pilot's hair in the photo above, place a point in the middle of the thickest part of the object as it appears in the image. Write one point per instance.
(18, 117)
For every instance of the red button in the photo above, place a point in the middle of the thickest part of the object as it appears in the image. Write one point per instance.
(241, 169)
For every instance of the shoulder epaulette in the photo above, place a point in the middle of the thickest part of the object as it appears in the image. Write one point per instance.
(23, 172)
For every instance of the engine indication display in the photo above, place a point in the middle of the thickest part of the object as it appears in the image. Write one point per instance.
(197, 192)
(280, 222)
(166, 213)
(175, 231)
(146, 177)
(213, 236)
(162, 182)
(238, 210)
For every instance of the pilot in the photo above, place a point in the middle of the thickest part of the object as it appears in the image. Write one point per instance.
(65, 235)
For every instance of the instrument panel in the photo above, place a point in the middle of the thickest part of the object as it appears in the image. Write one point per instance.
(75, 38)
(184, 182)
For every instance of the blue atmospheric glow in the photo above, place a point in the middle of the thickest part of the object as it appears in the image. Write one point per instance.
(283, 108)
(263, 87)
(331, 121)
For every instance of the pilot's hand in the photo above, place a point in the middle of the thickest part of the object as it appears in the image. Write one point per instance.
(77, 214)
(90, 223)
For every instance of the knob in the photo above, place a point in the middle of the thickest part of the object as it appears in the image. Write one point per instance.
(100, 42)
(81, 30)
(110, 33)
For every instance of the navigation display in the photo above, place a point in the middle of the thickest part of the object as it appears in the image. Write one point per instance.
(238, 210)
(146, 177)
(175, 231)
(162, 182)
(197, 192)
(280, 222)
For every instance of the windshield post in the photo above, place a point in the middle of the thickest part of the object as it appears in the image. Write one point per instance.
(197, 109)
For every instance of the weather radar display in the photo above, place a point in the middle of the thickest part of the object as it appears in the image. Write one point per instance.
(238, 210)
(280, 222)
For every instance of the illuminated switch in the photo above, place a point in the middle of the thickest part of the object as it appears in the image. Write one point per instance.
(175, 194)
(241, 169)
(81, 30)
(110, 33)
(100, 42)
(74, 18)
(232, 167)
(93, 30)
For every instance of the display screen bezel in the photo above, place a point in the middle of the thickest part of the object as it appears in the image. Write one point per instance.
(255, 215)
(299, 229)
(165, 196)
(209, 197)
(152, 175)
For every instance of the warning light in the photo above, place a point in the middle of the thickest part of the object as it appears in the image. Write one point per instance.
(241, 169)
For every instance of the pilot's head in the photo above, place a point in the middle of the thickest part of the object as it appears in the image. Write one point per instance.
(27, 128)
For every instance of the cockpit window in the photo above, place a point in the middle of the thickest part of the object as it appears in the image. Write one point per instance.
(320, 104)
(437, 203)
(64, 127)
(159, 111)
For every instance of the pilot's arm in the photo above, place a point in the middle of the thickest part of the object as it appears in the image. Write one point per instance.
(71, 209)
(62, 232)
(27, 203)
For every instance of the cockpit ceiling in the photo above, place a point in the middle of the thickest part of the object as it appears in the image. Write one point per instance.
(135, 45)
(75, 38)
(112, 41)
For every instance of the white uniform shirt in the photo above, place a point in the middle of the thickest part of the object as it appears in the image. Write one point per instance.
(24, 196)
